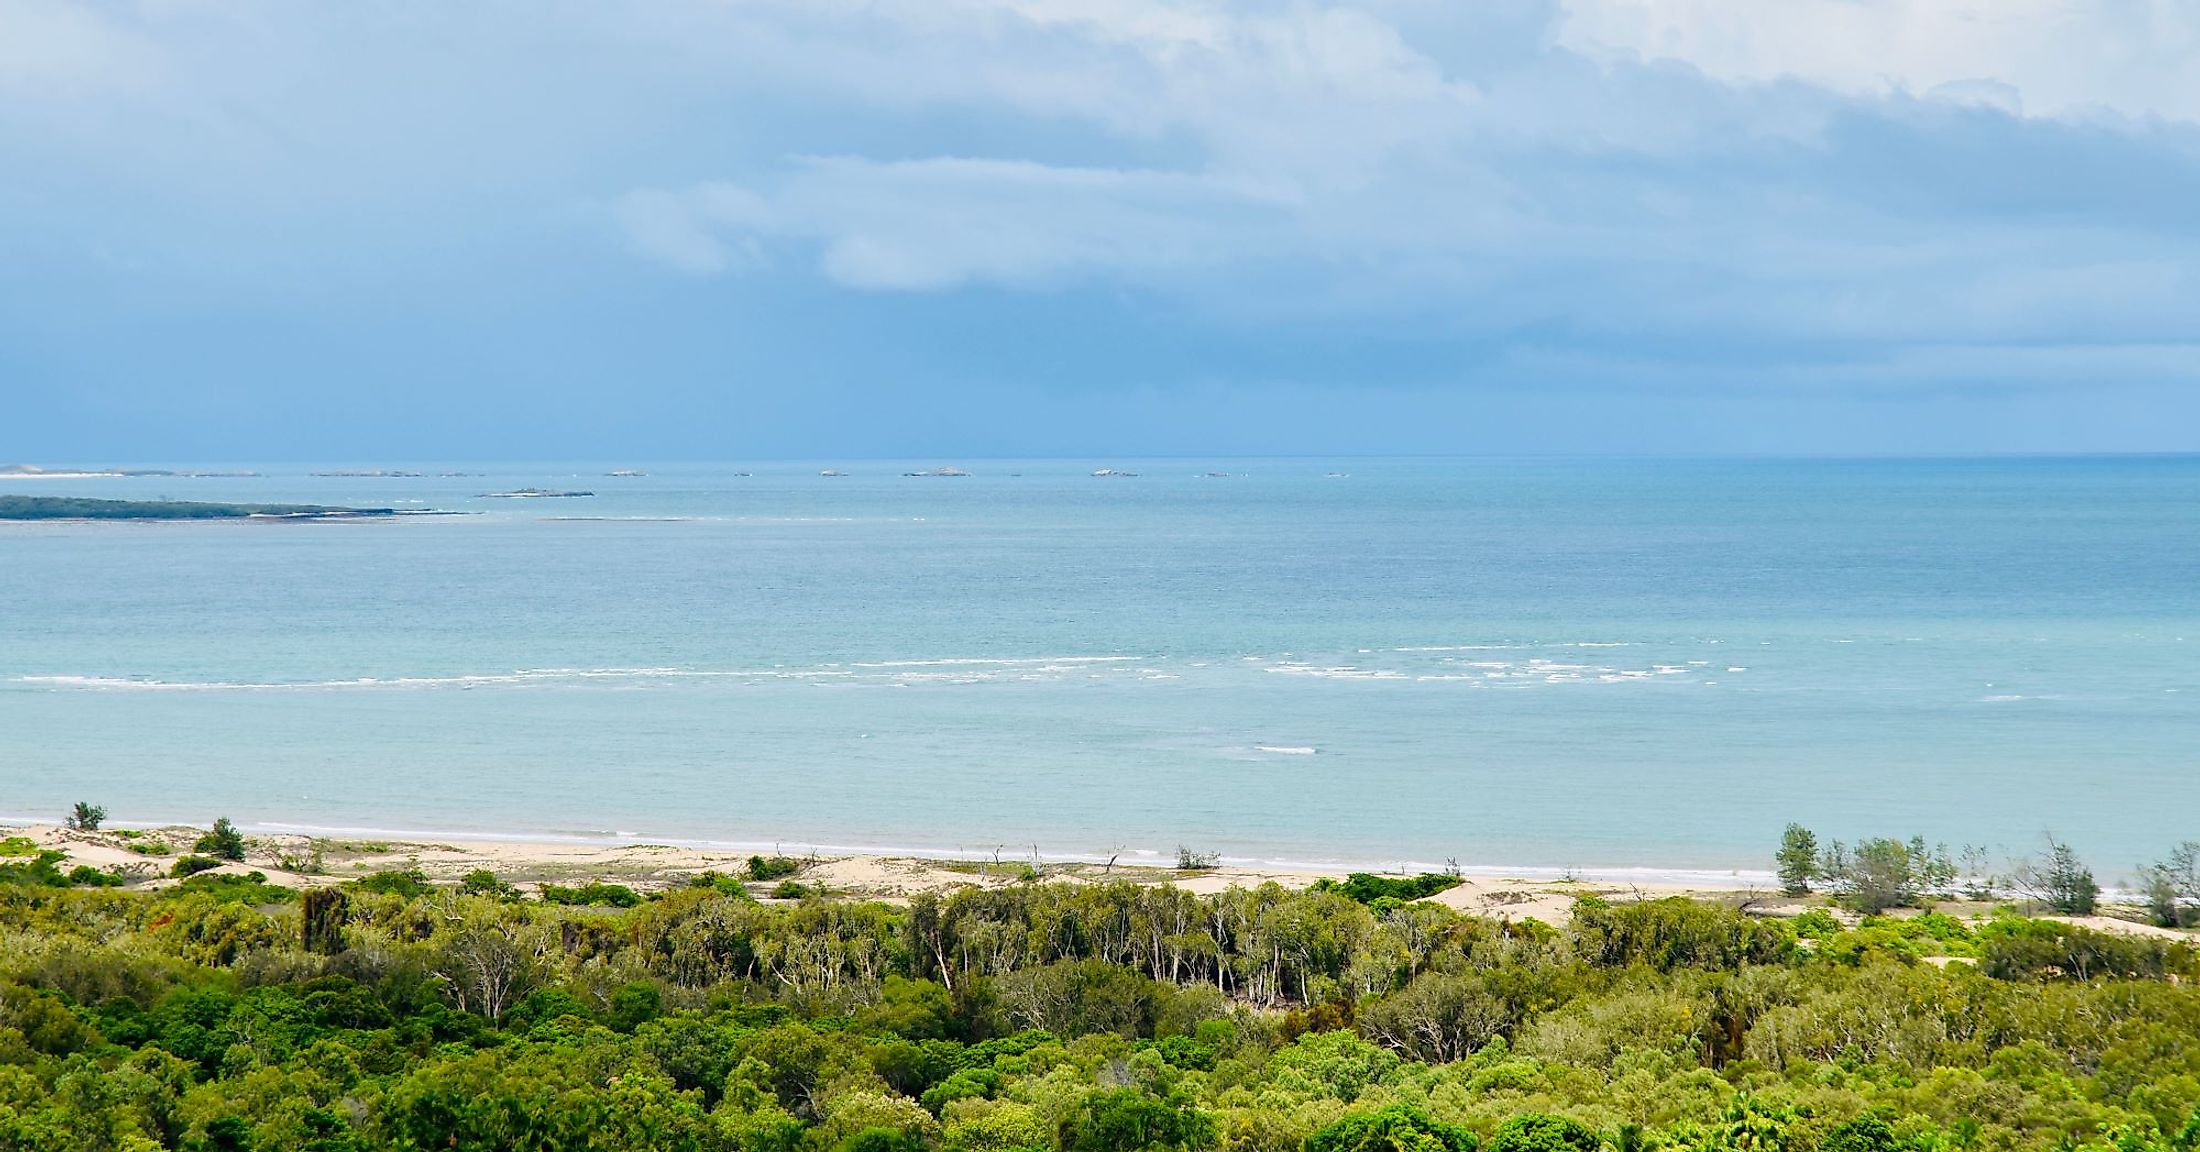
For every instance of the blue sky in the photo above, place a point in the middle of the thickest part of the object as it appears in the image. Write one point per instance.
(260, 229)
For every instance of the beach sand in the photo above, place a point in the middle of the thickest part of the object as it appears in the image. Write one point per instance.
(298, 861)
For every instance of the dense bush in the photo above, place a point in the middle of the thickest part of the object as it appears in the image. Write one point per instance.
(1113, 1017)
(1367, 887)
(224, 842)
(605, 895)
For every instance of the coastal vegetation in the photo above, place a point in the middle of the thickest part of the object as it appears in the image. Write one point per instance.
(392, 1011)
(79, 508)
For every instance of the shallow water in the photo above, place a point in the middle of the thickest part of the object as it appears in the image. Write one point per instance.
(1558, 663)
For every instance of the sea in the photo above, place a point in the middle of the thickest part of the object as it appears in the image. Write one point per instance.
(1642, 667)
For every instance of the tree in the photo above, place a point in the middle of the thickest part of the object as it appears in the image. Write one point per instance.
(485, 970)
(2172, 887)
(223, 843)
(1884, 873)
(86, 817)
(1133, 1120)
(1798, 860)
(1863, 1134)
(1395, 1128)
(1438, 1017)
(2060, 880)
(1535, 1132)
(326, 909)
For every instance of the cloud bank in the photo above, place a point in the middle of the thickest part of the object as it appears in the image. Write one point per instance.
(1862, 198)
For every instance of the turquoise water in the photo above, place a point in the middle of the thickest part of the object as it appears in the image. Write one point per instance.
(1554, 663)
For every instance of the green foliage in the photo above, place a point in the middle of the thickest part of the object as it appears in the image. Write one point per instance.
(85, 817)
(23, 862)
(216, 1014)
(2018, 949)
(409, 883)
(1367, 888)
(2060, 880)
(86, 876)
(2172, 887)
(1816, 924)
(1534, 1132)
(600, 895)
(1797, 860)
(773, 867)
(224, 842)
(193, 865)
(1676, 933)
(720, 883)
(228, 888)
(1134, 1120)
(324, 914)
(1863, 1134)
(483, 882)
(1189, 861)
(1883, 873)
(1395, 1128)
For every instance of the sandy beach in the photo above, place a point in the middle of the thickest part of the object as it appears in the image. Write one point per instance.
(300, 861)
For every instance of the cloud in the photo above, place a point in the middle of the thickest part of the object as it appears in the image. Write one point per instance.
(53, 49)
(2063, 57)
(1484, 174)
(1571, 194)
(946, 223)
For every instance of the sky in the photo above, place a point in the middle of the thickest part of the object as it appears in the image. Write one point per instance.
(258, 230)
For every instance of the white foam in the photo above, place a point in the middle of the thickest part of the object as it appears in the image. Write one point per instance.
(1285, 749)
(992, 660)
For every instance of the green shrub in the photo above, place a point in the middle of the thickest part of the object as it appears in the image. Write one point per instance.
(1535, 1132)
(597, 894)
(406, 882)
(86, 876)
(1797, 860)
(2018, 949)
(1878, 874)
(1134, 1120)
(720, 883)
(28, 864)
(773, 867)
(229, 888)
(483, 882)
(1396, 1128)
(224, 842)
(193, 865)
(1816, 924)
(1367, 887)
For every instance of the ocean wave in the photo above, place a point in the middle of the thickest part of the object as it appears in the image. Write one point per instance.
(948, 671)
(1286, 749)
(1455, 668)
(999, 660)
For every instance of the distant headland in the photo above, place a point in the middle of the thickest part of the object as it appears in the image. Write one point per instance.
(77, 508)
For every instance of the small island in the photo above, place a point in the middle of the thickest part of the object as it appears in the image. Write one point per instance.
(533, 494)
(78, 508)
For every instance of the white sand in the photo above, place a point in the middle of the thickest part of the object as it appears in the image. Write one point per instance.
(1492, 893)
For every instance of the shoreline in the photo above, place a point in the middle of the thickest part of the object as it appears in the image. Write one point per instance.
(298, 860)
(563, 843)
